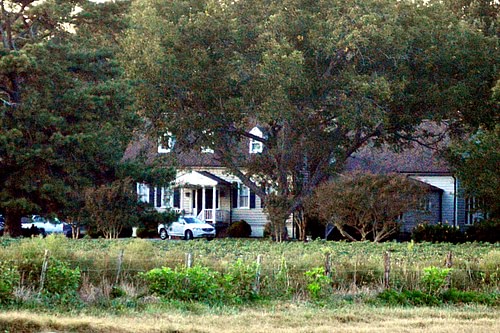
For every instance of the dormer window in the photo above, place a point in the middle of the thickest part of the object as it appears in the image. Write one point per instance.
(256, 146)
(167, 144)
(207, 150)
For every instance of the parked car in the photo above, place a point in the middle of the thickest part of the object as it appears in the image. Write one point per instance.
(41, 225)
(2, 224)
(188, 227)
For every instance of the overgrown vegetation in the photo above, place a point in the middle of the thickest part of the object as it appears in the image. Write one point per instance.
(135, 274)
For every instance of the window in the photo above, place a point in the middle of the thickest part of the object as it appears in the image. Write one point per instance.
(243, 197)
(142, 192)
(256, 146)
(472, 210)
(167, 144)
(425, 204)
(207, 150)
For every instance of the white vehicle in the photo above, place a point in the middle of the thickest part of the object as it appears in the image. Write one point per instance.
(188, 227)
(44, 225)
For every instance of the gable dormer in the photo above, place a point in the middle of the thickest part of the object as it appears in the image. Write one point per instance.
(167, 144)
(256, 147)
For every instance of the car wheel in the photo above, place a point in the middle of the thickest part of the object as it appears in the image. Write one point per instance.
(189, 235)
(163, 234)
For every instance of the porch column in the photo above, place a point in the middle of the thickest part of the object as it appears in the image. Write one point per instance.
(214, 202)
(203, 198)
(195, 197)
(181, 199)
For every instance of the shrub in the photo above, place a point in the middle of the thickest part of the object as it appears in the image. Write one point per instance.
(9, 278)
(407, 297)
(185, 284)
(240, 229)
(319, 285)
(437, 233)
(149, 220)
(239, 282)
(484, 231)
(458, 297)
(434, 279)
(61, 279)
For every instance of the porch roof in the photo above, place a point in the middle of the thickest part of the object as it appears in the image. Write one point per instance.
(199, 178)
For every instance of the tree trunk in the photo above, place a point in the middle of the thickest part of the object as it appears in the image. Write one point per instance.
(13, 223)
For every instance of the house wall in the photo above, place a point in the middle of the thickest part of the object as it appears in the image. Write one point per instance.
(447, 184)
(254, 216)
(432, 215)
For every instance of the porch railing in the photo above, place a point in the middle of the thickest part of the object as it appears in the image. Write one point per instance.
(220, 215)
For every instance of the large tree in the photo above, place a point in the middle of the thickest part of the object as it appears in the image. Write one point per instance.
(320, 78)
(366, 206)
(65, 117)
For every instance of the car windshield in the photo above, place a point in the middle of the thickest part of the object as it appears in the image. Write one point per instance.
(192, 220)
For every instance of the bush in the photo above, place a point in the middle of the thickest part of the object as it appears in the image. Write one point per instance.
(484, 231)
(434, 279)
(239, 282)
(451, 296)
(319, 285)
(437, 233)
(185, 284)
(61, 279)
(464, 297)
(149, 220)
(240, 229)
(9, 278)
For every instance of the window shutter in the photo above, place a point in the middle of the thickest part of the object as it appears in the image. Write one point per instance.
(252, 199)
(158, 197)
(234, 195)
(177, 198)
(151, 195)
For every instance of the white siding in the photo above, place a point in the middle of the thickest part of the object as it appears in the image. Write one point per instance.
(447, 184)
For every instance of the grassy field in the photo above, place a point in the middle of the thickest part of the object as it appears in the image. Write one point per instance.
(283, 317)
(101, 286)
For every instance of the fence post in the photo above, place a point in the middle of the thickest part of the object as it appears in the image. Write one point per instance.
(387, 269)
(44, 269)
(257, 275)
(328, 265)
(120, 261)
(449, 263)
(189, 260)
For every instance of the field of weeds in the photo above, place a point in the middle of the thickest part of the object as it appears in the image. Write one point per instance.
(126, 275)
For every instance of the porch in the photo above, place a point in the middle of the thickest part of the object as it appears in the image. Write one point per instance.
(205, 196)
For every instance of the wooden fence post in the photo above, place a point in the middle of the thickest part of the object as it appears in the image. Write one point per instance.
(449, 263)
(189, 260)
(119, 270)
(387, 269)
(328, 265)
(257, 275)
(45, 264)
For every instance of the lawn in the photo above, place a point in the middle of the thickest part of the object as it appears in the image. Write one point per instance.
(282, 317)
(131, 285)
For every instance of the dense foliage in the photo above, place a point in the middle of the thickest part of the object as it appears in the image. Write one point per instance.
(241, 271)
(366, 206)
(239, 229)
(319, 78)
(65, 113)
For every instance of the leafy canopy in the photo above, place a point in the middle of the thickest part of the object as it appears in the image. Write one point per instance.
(321, 78)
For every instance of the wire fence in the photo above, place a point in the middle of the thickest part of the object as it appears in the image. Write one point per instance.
(342, 273)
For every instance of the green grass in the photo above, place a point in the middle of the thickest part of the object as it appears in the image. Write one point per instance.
(357, 269)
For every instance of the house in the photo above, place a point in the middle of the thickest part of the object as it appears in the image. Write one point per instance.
(444, 202)
(204, 188)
